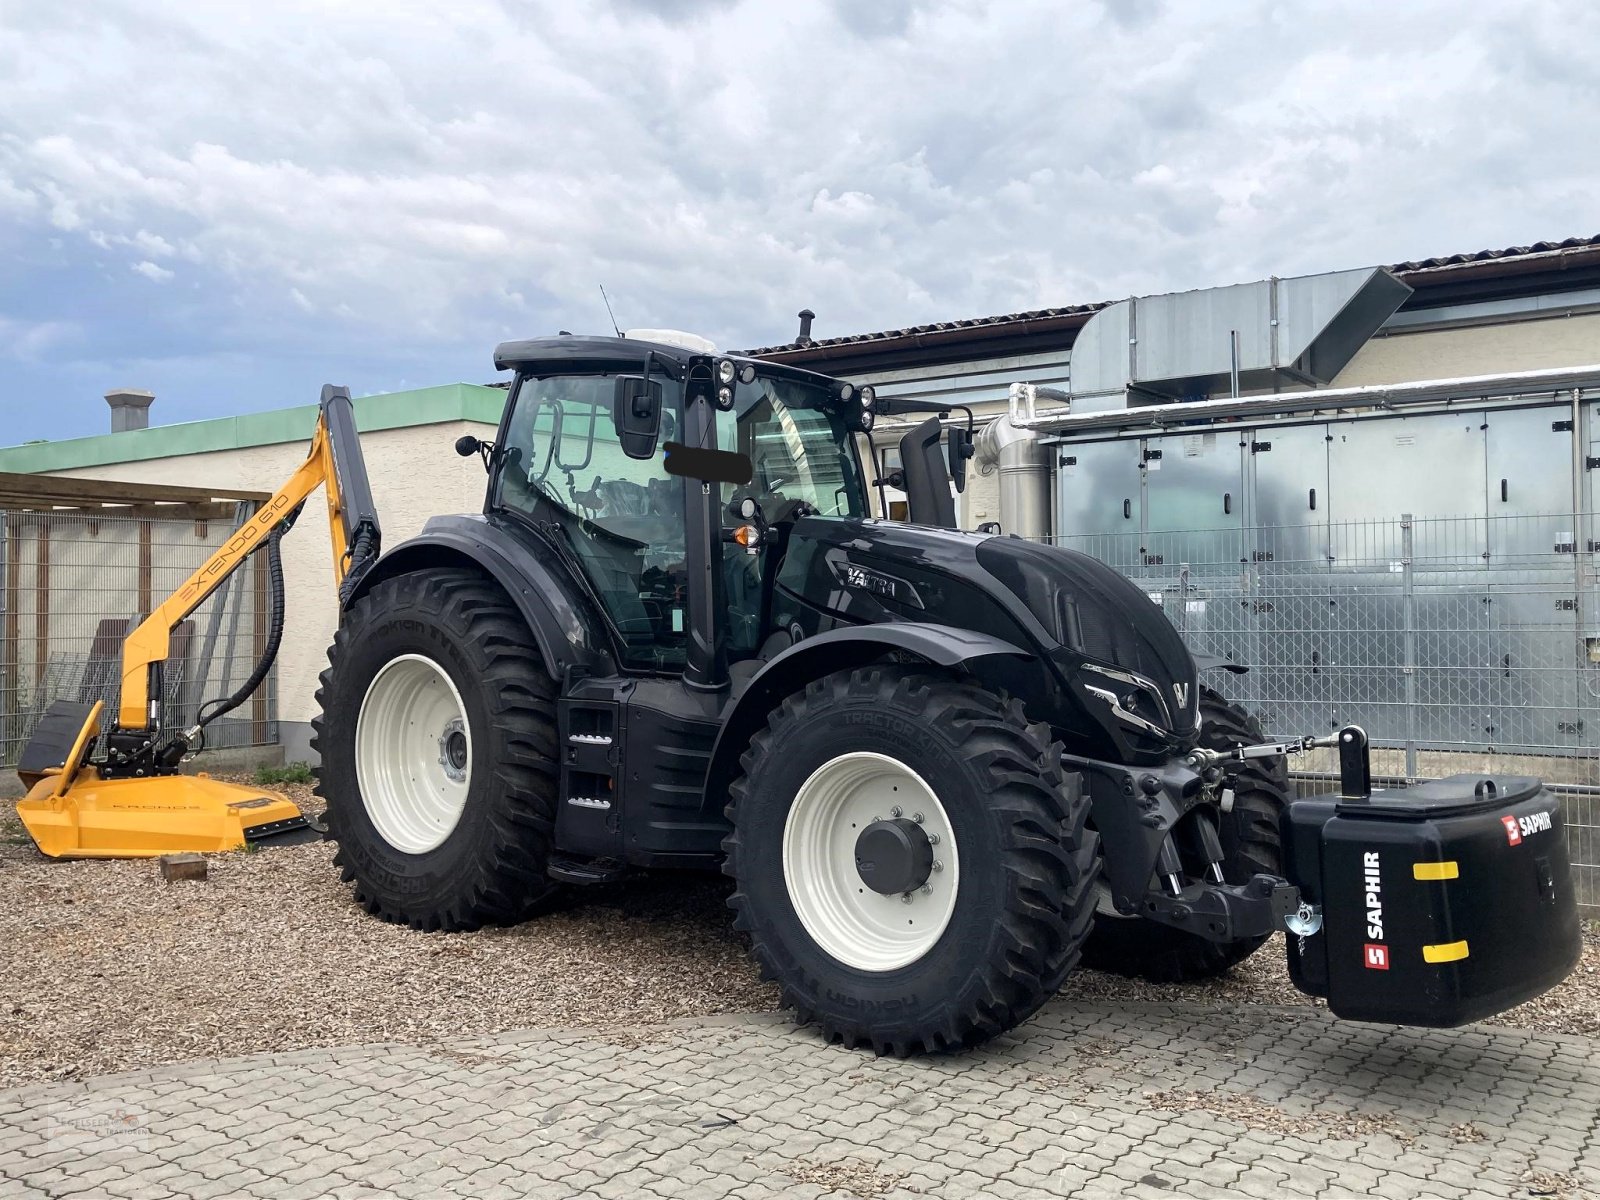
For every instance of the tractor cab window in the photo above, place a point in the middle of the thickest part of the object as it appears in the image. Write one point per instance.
(622, 518)
(803, 454)
(805, 463)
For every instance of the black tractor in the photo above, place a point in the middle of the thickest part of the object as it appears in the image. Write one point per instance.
(942, 768)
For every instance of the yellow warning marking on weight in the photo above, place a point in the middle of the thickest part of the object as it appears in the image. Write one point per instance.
(1444, 952)
(1435, 870)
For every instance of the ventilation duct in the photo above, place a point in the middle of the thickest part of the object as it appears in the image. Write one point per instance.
(1223, 341)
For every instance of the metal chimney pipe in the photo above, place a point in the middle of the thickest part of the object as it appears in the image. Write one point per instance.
(1023, 462)
(130, 409)
(806, 317)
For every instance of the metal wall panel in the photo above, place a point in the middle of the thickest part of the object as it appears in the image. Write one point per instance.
(1288, 471)
(1097, 497)
(1426, 465)
(1529, 471)
(1289, 602)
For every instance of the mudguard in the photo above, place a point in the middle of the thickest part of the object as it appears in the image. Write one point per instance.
(568, 630)
(837, 650)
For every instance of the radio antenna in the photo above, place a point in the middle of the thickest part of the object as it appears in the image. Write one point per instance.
(609, 313)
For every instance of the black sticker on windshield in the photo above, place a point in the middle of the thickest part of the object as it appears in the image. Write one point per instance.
(711, 466)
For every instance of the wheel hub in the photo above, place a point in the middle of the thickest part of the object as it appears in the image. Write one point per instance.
(453, 750)
(894, 856)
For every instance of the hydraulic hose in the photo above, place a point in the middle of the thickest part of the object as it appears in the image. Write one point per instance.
(212, 709)
(193, 739)
(363, 549)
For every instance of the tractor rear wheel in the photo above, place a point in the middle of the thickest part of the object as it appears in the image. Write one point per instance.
(912, 865)
(1138, 947)
(437, 739)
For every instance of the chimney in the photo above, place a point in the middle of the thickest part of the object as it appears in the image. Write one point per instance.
(130, 409)
(806, 317)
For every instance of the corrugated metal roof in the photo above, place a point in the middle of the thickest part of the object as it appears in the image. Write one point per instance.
(1040, 314)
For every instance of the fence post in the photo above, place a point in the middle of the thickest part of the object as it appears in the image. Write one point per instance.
(1408, 667)
(1183, 600)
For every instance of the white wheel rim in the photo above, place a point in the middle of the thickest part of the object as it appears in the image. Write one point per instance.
(846, 918)
(413, 754)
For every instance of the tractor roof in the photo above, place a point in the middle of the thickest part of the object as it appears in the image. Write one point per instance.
(582, 353)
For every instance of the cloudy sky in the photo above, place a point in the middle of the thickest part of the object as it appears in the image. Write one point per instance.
(231, 204)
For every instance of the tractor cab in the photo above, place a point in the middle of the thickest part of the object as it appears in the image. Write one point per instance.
(681, 568)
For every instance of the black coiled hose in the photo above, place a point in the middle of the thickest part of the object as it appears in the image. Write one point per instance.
(212, 709)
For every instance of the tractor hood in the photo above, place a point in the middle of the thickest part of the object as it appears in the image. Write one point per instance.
(1108, 661)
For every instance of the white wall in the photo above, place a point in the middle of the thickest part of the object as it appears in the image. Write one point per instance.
(415, 474)
(1475, 350)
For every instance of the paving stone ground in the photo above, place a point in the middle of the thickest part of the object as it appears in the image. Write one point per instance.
(1085, 1100)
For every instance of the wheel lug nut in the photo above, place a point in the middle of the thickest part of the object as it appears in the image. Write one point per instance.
(917, 817)
(927, 889)
(933, 839)
(937, 865)
(905, 898)
(895, 811)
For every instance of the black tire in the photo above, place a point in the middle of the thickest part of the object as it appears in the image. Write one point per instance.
(1250, 843)
(490, 869)
(1027, 860)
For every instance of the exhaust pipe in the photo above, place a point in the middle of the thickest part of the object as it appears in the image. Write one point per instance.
(1023, 462)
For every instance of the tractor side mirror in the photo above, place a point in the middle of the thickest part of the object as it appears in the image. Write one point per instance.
(961, 449)
(467, 446)
(636, 413)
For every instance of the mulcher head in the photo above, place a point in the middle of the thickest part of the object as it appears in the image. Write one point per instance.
(71, 812)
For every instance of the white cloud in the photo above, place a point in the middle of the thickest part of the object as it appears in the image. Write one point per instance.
(28, 341)
(719, 165)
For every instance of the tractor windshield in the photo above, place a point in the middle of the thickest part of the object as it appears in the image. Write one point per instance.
(800, 447)
(805, 462)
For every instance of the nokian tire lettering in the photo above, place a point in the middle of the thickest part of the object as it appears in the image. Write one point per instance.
(1028, 861)
(491, 867)
(1251, 845)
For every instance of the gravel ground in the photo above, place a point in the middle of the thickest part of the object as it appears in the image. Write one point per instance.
(107, 968)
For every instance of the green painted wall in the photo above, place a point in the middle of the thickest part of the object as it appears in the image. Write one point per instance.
(393, 410)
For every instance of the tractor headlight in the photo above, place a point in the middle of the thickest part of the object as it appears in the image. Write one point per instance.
(725, 371)
(725, 398)
(747, 373)
(867, 397)
(846, 391)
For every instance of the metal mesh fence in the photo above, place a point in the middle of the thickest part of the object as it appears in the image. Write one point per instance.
(1458, 644)
(72, 584)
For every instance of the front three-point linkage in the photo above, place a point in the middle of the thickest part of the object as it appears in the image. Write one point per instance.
(1355, 768)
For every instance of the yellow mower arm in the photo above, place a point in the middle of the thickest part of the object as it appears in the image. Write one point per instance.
(132, 802)
(333, 463)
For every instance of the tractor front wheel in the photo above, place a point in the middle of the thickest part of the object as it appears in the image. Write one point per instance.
(912, 865)
(437, 737)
